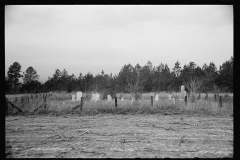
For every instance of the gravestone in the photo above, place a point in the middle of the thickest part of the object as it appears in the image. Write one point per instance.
(133, 99)
(109, 98)
(156, 98)
(169, 97)
(182, 91)
(79, 95)
(174, 100)
(95, 97)
(73, 98)
(122, 98)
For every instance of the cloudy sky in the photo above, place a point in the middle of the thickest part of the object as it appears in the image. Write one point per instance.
(92, 38)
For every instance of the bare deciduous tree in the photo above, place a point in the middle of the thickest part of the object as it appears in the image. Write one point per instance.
(194, 85)
(135, 87)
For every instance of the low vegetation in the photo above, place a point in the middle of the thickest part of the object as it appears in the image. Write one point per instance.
(61, 103)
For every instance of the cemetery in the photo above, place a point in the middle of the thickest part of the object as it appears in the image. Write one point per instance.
(217, 103)
(47, 125)
(76, 85)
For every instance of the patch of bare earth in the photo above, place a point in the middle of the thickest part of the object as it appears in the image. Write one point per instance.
(119, 136)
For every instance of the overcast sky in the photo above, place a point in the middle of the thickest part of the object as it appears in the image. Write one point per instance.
(92, 38)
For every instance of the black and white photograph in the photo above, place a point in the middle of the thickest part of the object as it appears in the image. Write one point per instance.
(119, 81)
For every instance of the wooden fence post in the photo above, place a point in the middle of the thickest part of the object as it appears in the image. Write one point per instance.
(115, 102)
(45, 102)
(22, 101)
(220, 101)
(215, 97)
(185, 99)
(81, 107)
(151, 101)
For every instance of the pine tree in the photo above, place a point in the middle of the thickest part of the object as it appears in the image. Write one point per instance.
(30, 75)
(177, 69)
(13, 76)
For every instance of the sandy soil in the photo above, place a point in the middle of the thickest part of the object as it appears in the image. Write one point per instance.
(119, 136)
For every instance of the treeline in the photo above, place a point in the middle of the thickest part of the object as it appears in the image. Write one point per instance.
(148, 77)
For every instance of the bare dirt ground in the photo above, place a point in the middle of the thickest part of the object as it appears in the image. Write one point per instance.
(119, 136)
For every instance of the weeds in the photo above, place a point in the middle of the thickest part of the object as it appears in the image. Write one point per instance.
(60, 103)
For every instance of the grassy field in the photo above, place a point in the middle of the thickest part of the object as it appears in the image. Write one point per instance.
(132, 130)
(61, 103)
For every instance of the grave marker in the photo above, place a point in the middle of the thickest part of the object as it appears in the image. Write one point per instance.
(95, 97)
(79, 95)
(174, 100)
(169, 97)
(133, 99)
(109, 98)
(182, 91)
(156, 98)
(73, 98)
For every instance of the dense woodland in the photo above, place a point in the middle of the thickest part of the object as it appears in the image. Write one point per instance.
(147, 78)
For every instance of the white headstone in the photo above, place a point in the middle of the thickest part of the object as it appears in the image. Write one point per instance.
(122, 99)
(169, 96)
(182, 91)
(73, 98)
(133, 99)
(156, 98)
(95, 97)
(173, 99)
(79, 95)
(109, 98)
(182, 88)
